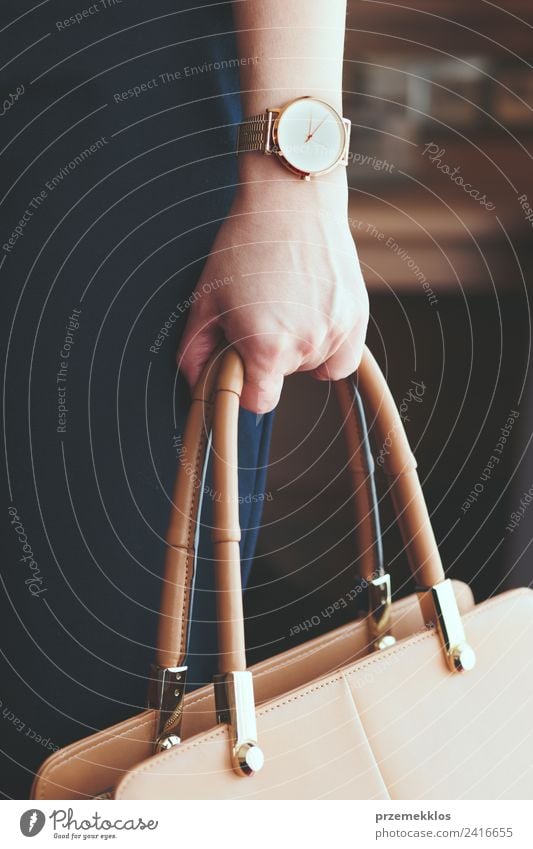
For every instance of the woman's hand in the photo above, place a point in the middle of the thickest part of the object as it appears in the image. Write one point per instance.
(282, 284)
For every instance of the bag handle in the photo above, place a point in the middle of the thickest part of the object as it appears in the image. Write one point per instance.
(219, 390)
(169, 670)
(187, 503)
(168, 674)
(167, 685)
(234, 685)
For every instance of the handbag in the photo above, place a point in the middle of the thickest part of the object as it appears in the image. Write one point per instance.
(331, 720)
(91, 767)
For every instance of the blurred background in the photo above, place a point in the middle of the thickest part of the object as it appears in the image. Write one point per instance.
(440, 95)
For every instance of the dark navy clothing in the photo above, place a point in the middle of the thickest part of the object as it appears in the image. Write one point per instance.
(116, 169)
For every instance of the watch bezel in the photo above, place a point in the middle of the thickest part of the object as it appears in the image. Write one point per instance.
(275, 115)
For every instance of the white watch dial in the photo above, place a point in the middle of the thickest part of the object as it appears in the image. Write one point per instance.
(310, 135)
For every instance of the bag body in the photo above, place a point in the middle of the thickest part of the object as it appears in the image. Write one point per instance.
(429, 698)
(396, 725)
(94, 765)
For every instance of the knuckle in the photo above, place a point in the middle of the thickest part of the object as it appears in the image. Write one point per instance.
(310, 347)
(265, 354)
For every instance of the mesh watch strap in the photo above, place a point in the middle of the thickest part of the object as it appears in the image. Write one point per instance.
(251, 134)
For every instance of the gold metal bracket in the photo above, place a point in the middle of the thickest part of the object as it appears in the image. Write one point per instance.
(440, 609)
(235, 705)
(379, 613)
(165, 695)
(272, 114)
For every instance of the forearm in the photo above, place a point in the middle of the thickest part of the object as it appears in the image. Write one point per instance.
(297, 301)
(297, 49)
(294, 48)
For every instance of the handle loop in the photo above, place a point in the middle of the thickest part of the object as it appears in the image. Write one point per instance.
(223, 381)
(184, 522)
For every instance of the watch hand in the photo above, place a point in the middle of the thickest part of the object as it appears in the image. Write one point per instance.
(309, 133)
(317, 127)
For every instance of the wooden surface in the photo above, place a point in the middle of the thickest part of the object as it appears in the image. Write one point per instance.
(456, 76)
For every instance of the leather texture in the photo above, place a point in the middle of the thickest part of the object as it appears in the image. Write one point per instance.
(393, 724)
(88, 767)
(224, 373)
(397, 725)
(183, 523)
(67, 773)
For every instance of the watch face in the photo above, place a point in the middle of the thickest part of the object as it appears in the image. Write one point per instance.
(310, 135)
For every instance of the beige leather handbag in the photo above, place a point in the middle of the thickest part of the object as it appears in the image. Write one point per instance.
(443, 713)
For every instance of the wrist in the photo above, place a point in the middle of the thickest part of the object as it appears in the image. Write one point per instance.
(309, 140)
(263, 177)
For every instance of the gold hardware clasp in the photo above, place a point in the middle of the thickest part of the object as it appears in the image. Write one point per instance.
(440, 608)
(235, 705)
(165, 695)
(379, 613)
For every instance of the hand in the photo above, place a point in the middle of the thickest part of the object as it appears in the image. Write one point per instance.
(282, 285)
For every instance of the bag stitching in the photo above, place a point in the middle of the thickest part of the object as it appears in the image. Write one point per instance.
(143, 768)
(47, 773)
(192, 512)
(65, 759)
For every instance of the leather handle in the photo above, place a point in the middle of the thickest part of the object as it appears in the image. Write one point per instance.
(226, 532)
(399, 465)
(180, 560)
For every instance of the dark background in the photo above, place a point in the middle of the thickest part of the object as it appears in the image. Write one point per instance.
(119, 230)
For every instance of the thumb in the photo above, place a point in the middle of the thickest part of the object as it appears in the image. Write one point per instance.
(200, 338)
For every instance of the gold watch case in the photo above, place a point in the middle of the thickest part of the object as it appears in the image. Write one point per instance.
(275, 115)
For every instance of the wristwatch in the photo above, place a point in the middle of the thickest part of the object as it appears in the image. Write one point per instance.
(307, 135)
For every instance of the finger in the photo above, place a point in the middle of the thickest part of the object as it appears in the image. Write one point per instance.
(200, 338)
(345, 360)
(263, 394)
(266, 361)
